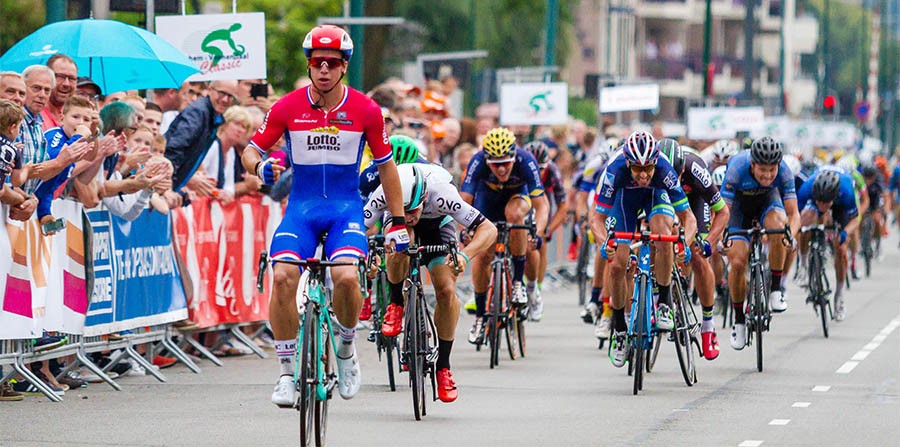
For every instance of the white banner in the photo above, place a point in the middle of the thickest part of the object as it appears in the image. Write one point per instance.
(625, 98)
(42, 278)
(534, 103)
(224, 46)
(710, 123)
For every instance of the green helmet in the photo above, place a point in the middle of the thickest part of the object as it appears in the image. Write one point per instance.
(405, 149)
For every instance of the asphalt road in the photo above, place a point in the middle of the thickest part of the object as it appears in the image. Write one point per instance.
(814, 391)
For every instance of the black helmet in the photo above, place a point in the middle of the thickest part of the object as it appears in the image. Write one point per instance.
(869, 170)
(825, 186)
(766, 151)
(673, 152)
(540, 151)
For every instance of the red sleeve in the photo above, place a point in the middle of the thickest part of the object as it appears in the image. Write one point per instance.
(273, 127)
(376, 135)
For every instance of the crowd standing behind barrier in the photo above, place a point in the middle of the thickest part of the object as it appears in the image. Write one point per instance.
(162, 225)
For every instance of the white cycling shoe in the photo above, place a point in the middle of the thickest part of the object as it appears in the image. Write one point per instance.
(777, 301)
(738, 336)
(283, 396)
(535, 306)
(349, 375)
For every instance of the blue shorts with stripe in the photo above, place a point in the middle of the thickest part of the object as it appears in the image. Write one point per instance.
(304, 221)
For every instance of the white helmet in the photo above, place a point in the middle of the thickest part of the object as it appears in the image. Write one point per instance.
(725, 149)
(718, 176)
(413, 186)
(792, 162)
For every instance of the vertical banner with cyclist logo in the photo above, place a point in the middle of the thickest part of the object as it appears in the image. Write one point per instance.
(42, 277)
(221, 245)
(534, 103)
(136, 281)
(223, 46)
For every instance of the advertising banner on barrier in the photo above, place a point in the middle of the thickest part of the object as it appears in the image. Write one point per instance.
(42, 278)
(224, 46)
(221, 246)
(136, 282)
(534, 103)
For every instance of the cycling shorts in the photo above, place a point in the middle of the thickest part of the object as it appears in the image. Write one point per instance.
(630, 202)
(441, 230)
(746, 209)
(304, 221)
(701, 213)
(492, 204)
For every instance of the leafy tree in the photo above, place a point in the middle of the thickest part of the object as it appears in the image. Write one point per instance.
(19, 18)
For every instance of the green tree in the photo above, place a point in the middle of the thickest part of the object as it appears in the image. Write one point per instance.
(19, 18)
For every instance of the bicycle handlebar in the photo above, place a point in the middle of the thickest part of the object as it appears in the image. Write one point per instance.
(449, 249)
(820, 227)
(787, 240)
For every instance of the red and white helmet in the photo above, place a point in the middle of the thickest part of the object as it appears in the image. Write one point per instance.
(328, 37)
(640, 149)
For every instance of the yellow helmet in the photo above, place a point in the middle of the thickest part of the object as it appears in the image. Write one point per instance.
(498, 142)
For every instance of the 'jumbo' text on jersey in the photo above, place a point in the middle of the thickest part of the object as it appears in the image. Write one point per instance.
(325, 146)
(617, 176)
(739, 181)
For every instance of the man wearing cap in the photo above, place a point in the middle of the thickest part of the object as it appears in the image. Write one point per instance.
(88, 89)
(66, 76)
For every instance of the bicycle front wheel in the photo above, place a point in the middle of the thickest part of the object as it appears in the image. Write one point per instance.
(683, 348)
(327, 380)
(308, 378)
(511, 328)
(413, 357)
(581, 274)
(759, 314)
(817, 288)
(640, 335)
(496, 298)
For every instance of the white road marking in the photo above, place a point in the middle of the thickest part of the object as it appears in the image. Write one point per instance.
(779, 422)
(871, 346)
(801, 404)
(860, 355)
(821, 388)
(750, 443)
(847, 367)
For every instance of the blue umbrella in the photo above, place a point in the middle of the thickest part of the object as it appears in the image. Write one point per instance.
(115, 55)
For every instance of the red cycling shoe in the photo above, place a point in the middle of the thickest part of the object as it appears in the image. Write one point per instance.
(446, 387)
(366, 312)
(393, 320)
(710, 345)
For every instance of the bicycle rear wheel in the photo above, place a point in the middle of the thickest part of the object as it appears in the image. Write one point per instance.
(521, 333)
(581, 275)
(511, 328)
(308, 378)
(389, 344)
(386, 344)
(683, 347)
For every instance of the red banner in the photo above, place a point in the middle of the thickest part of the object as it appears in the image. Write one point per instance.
(221, 245)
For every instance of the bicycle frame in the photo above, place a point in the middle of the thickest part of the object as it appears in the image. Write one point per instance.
(499, 309)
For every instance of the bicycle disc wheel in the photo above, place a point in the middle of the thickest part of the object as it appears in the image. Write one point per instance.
(308, 377)
(327, 360)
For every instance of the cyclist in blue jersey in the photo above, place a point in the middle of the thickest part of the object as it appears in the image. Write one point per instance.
(536, 262)
(326, 125)
(758, 186)
(829, 196)
(638, 179)
(894, 187)
(503, 183)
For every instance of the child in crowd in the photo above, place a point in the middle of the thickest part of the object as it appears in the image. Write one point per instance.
(76, 122)
(141, 141)
(11, 115)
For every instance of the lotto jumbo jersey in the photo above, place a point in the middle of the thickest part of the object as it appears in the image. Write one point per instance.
(324, 147)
